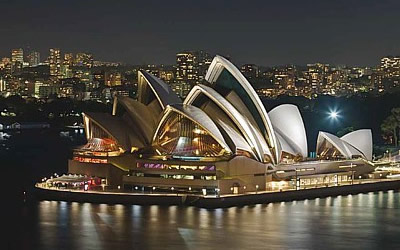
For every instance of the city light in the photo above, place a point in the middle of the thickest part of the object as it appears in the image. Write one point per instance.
(333, 114)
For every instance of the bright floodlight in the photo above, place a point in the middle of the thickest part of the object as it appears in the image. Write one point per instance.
(333, 114)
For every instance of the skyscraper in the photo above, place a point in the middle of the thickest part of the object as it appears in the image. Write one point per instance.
(204, 60)
(33, 58)
(5, 63)
(67, 64)
(390, 65)
(17, 55)
(316, 75)
(69, 59)
(17, 59)
(55, 63)
(191, 67)
(84, 59)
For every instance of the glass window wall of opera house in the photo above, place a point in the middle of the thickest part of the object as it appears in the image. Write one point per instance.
(219, 140)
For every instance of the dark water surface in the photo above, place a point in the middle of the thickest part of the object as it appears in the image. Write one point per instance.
(364, 221)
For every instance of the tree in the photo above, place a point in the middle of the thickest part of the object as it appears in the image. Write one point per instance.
(396, 114)
(390, 127)
(344, 131)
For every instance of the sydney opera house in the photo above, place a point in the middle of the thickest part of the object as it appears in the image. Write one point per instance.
(220, 139)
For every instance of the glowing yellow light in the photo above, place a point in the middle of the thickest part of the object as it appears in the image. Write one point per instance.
(197, 131)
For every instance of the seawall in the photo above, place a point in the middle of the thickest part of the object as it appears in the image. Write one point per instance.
(213, 202)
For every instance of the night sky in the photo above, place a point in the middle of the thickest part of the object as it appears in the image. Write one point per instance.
(353, 32)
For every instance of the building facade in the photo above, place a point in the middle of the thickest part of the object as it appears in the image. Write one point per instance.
(33, 58)
(219, 140)
(55, 63)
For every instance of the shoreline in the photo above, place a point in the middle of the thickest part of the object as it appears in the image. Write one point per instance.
(211, 202)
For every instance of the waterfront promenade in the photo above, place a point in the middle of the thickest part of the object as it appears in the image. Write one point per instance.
(213, 201)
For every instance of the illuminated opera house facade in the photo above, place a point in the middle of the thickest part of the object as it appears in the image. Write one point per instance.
(219, 139)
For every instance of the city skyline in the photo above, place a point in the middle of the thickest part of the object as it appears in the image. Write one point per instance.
(346, 32)
(67, 72)
(25, 54)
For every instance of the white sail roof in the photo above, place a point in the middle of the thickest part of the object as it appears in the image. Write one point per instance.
(254, 138)
(288, 124)
(361, 140)
(162, 91)
(345, 148)
(248, 95)
(237, 139)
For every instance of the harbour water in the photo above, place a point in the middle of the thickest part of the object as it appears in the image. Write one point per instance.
(363, 221)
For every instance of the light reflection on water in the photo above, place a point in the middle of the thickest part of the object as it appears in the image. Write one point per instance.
(364, 221)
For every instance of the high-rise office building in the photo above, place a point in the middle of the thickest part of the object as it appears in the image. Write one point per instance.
(84, 75)
(68, 63)
(166, 75)
(376, 80)
(55, 63)
(250, 71)
(316, 75)
(84, 60)
(5, 63)
(113, 79)
(284, 77)
(68, 59)
(33, 58)
(204, 60)
(186, 66)
(186, 72)
(66, 71)
(17, 59)
(99, 77)
(191, 67)
(390, 66)
(17, 55)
